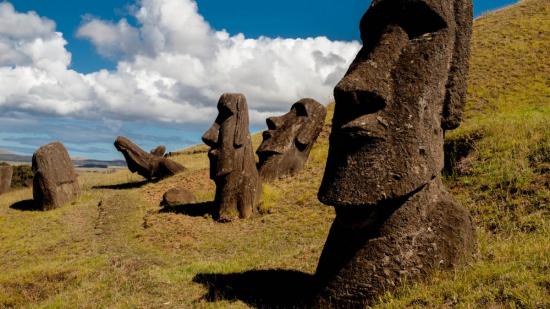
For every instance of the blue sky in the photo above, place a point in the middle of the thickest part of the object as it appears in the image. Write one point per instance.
(147, 49)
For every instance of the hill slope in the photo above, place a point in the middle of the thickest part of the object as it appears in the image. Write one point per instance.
(113, 248)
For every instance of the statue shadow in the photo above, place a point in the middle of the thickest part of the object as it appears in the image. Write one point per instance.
(25, 205)
(274, 288)
(127, 186)
(193, 210)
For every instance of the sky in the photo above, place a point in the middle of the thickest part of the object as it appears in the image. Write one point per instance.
(84, 72)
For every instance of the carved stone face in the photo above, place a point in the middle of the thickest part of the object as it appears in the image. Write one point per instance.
(227, 135)
(232, 165)
(289, 139)
(406, 86)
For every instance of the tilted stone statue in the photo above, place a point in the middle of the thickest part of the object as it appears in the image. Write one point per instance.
(149, 165)
(159, 151)
(289, 139)
(6, 173)
(394, 219)
(232, 163)
(55, 181)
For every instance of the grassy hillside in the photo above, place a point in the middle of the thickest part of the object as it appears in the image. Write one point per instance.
(114, 248)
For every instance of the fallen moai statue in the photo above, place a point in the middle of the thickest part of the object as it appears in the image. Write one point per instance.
(159, 151)
(6, 172)
(55, 181)
(232, 163)
(395, 221)
(146, 164)
(289, 138)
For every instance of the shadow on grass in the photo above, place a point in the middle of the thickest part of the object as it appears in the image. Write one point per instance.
(25, 205)
(127, 186)
(193, 210)
(261, 288)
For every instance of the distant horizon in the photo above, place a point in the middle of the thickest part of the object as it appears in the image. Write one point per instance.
(152, 70)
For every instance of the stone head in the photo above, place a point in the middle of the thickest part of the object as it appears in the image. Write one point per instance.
(289, 139)
(227, 136)
(406, 87)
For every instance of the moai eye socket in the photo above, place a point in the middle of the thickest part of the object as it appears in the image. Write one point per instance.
(417, 18)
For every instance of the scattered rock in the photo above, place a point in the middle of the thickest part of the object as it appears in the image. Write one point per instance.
(55, 180)
(232, 163)
(176, 197)
(289, 139)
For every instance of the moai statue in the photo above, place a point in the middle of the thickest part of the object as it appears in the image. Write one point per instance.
(6, 173)
(289, 139)
(159, 151)
(149, 165)
(55, 181)
(232, 164)
(394, 219)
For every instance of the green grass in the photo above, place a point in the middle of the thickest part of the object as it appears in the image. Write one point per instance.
(113, 248)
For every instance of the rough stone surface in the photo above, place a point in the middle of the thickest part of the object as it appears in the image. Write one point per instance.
(176, 197)
(395, 221)
(289, 139)
(6, 173)
(146, 164)
(232, 163)
(55, 181)
(159, 151)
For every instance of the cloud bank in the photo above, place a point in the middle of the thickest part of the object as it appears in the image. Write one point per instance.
(171, 67)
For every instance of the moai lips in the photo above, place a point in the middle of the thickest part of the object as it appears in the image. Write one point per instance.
(232, 164)
(149, 165)
(395, 221)
(288, 141)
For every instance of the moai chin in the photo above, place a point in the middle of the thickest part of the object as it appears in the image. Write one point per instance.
(150, 165)
(394, 219)
(232, 163)
(289, 138)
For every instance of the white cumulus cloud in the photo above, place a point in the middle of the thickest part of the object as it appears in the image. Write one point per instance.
(171, 67)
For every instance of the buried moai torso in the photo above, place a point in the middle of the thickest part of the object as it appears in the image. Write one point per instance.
(289, 139)
(395, 221)
(232, 164)
(55, 180)
(147, 164)
(6, 173)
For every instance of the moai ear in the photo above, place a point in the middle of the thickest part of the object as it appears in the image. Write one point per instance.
(241, 126)
(315, 113)
(455, 98)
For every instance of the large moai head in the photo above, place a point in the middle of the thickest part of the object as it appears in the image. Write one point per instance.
(147, 164)
(289, 139)
(406, 87)
(232, 164)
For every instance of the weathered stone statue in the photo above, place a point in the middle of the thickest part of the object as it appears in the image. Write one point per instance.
(149, 165)
(55, 181)
(394, 219)
(6, 173)
(159, 151)
(289, 139)
(232, 164)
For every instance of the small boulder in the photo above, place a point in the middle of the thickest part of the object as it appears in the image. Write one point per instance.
(177, 196)
(55, 181)
(6, 173)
